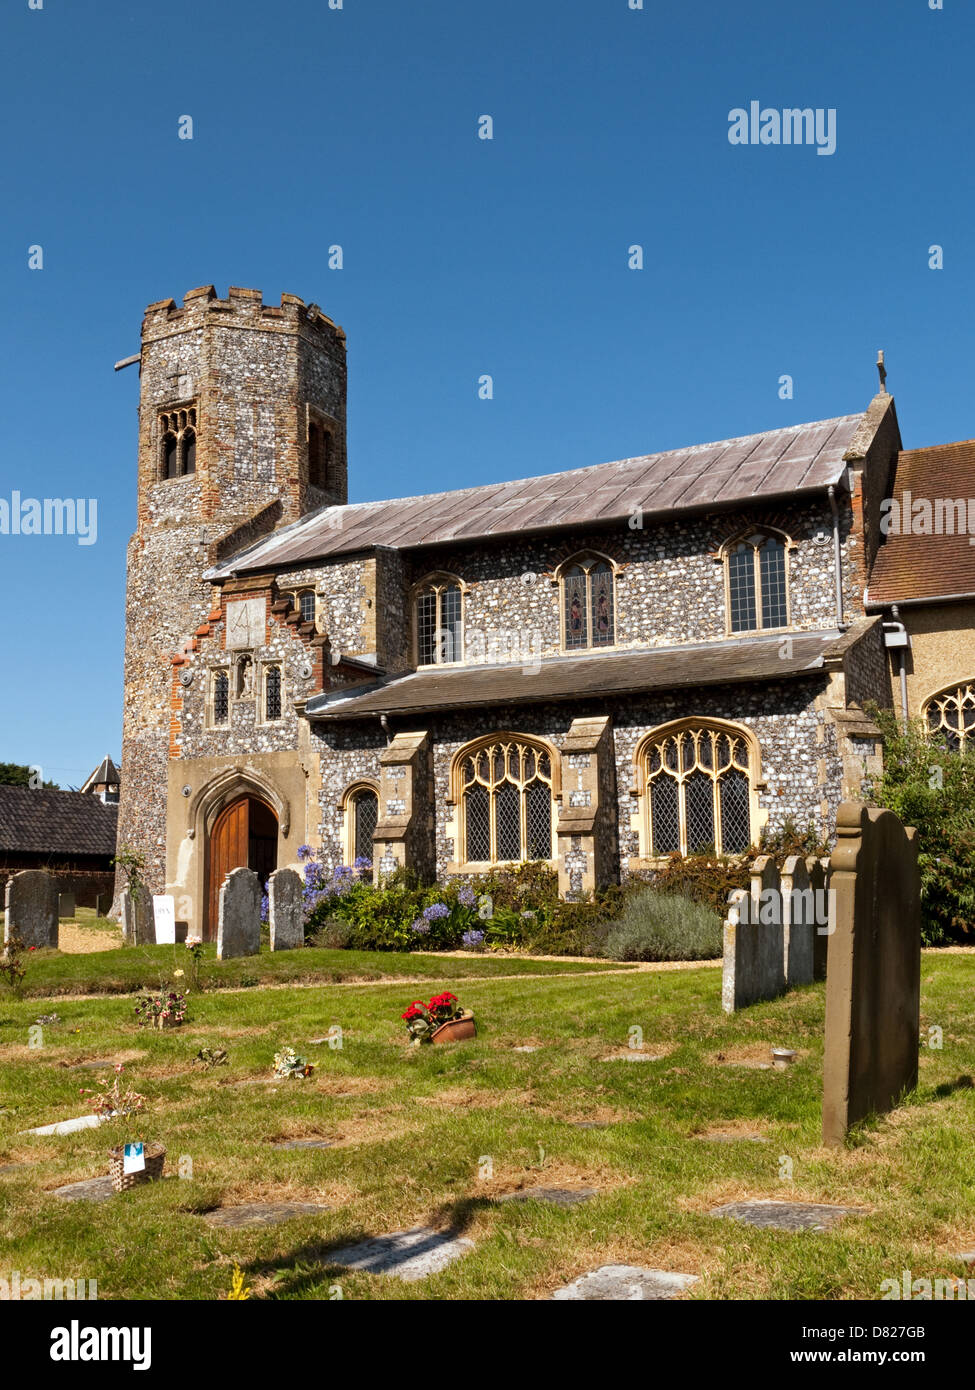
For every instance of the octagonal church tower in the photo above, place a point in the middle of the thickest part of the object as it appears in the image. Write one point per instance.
(241, 430)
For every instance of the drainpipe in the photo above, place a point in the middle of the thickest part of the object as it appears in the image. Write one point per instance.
(837, 556)
(895, 635)
(384, 721)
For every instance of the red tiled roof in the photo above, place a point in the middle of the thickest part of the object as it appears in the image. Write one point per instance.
(912, 567)
(800, 458)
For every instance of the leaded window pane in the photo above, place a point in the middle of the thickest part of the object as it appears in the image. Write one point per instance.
(426, 629)
(366, 811)
(221, 698)
(272, 693)
(735, 812)
(451, 637)
(507, 811)
(699, 793)
(601, 594)
(741, 588)
(771, 558)
(306, 603)
(538, 815)
(477, 818)
(576, 627)
(170, 457)
(664, 815)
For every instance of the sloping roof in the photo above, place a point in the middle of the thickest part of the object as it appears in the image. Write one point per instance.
(800, 458)
(55, 823)
(435, 688)
(106, 773)
(911, 568)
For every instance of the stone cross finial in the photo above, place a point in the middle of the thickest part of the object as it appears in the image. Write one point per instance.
(882, 371)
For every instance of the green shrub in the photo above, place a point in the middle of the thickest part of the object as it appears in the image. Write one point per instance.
(928, 785)
(664, 926)
(780, 844)
(704, 878)
(334, 934)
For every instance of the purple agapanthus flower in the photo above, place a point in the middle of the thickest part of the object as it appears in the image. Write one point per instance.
(420, 927)
(467, 897)
(304, 851)
(472, 939)
(265, 908)
(436, 911)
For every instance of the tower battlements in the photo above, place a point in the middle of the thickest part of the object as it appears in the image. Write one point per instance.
(242, 308)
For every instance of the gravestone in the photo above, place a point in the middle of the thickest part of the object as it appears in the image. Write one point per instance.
(261, 1213)
(89, 1190)
(66, 905)
(799, 921)
(551, 1196)
(286, 911)
(786, 1216)
(103, 904)
(31, 903)
(239, 921)
(625, 1283)
(873, 981)
(138, 928)
(409, 1255)
(754, 950)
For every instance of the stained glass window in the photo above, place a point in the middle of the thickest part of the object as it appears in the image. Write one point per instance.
(757, 584)
(507, 800)
(439, 624)
(698, 792)
(588, 604)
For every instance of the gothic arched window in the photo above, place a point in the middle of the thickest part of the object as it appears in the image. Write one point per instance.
(361, 819)
(587, 588)
(220, 699)
(950, 716)
(438, 616)
(697, 780)
(505, 788)
(177, 442)
(170, 456)
(188, 452)
(272, 692)
(757, 582)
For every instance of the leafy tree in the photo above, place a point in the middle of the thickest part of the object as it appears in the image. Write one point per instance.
(932, 787)
(20, 775)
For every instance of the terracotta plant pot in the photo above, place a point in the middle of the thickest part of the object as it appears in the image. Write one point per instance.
(454, 1030)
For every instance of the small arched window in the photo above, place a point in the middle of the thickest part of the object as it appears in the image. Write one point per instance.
(306, 605)
(697, 783)
(588, 603)
(188, 462)
(170, 456)
(757, 583)
(315, 461)
(950, 717)
(361, 819)
(438, 615)
(506, 795)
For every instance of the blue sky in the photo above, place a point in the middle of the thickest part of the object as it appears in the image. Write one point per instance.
(509, 257)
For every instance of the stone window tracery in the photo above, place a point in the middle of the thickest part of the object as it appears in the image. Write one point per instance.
(697, 781)
(950, 716)
(588, 600)
(177, 448)
(506, 792)
(438, 608)
(757, 582)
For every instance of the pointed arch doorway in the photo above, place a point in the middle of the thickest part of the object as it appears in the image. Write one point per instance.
(244, 835)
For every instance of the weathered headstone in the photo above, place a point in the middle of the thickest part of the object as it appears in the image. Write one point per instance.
(261, 1214)
(239, 921)
(874, 976)
(103, 904)
(138, 928)
(286, 910)
(66, 905)
(799, 921)
(31, 904)
(786, 1216)
(754, 951)
(409, 1255)
(625, 1283)
(873, 984)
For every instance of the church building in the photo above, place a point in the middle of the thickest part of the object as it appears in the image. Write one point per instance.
(594, 667)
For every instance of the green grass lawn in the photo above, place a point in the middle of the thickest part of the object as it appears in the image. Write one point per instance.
(438, 1134)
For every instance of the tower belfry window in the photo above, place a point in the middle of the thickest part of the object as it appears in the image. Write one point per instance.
(177, 429)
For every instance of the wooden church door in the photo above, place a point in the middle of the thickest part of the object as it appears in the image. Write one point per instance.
(244, 835)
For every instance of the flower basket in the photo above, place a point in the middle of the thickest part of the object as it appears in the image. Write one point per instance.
(155, 1156)
(454, 1030)
(163, 1022)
